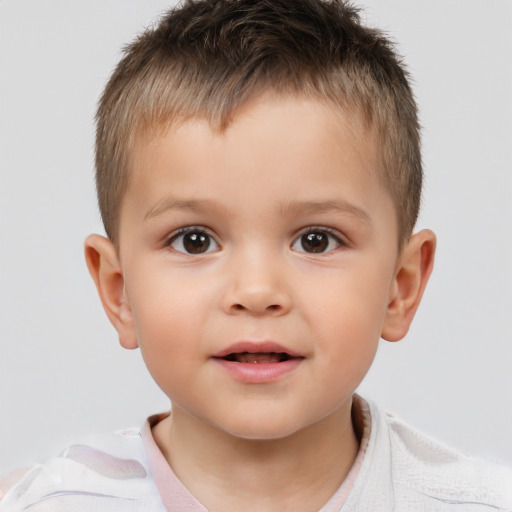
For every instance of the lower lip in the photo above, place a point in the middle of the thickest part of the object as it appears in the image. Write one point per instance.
(259, 373)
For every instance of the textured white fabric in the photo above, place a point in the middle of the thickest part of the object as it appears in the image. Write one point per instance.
(107, 474)
(406, 471)
(402, 471)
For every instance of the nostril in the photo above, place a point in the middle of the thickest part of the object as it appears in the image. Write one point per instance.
(271, 308)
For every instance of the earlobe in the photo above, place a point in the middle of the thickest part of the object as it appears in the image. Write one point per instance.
(105, 269)
(411, 277)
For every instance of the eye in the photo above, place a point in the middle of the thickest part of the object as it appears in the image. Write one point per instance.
(193, 240)
(317, 240)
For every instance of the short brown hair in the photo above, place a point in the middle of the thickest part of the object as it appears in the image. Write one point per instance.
(206, 58)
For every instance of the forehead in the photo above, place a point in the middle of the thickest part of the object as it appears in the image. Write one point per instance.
(311, 124)
(285, 148)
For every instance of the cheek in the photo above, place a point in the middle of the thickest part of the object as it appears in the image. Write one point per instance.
(165, 301)
(168, 319)
(347, 320)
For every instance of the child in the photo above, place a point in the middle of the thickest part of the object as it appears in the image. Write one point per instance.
(259, 178)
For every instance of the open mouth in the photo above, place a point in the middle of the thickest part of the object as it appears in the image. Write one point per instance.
(258, 362)
(257, 357)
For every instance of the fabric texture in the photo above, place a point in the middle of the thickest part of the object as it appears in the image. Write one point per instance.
(397, 469)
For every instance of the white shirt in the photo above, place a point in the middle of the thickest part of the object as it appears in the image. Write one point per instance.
(397, 469)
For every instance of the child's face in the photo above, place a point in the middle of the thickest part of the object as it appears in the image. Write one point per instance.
(276, 236)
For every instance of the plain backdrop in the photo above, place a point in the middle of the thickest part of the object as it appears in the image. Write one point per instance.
(63, 374)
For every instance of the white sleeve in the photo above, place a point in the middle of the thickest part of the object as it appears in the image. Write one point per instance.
(11, 479)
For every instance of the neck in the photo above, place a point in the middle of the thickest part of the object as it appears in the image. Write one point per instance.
(298, 473)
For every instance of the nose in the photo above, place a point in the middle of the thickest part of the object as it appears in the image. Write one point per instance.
(257, 286)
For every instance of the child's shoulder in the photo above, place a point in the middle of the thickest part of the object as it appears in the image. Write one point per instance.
(107, 472)
(419, 473)
(402, 470)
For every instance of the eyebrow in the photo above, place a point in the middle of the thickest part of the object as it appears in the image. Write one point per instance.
(292, 208)
(174, 203)
(295, 208)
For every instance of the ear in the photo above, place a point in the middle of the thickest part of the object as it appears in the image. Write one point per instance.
(413, 270)
(105, 269)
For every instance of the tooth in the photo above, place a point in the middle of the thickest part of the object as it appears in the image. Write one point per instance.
(247, 357)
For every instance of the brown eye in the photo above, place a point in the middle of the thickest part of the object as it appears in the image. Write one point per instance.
(193, 242)
(196, 243)
(316, 241)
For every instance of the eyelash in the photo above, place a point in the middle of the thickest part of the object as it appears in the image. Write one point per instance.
(201, 231)
(331, 234)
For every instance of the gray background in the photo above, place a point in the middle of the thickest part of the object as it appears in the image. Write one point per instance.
(62, 373)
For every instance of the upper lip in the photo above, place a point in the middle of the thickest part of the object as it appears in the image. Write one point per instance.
(255, 347)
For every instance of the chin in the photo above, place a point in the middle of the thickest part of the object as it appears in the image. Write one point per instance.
(261, 429)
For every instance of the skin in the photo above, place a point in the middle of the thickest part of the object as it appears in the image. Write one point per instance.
(285, 167)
